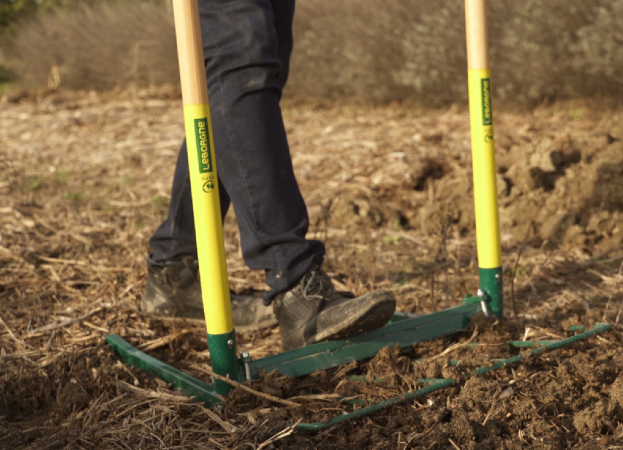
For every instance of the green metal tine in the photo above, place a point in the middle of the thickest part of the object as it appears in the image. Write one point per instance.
(598, 328)
(188, 385)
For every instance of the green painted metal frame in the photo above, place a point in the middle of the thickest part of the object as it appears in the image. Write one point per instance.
(405, 330)
(206, 393)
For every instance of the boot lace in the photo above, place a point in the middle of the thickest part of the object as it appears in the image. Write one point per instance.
(317, 285)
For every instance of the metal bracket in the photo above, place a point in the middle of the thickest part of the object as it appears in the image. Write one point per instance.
(245, 359)
(484, 302)
(482, 298)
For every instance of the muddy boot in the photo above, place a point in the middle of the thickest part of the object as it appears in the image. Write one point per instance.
(314, 311)
(174, 291)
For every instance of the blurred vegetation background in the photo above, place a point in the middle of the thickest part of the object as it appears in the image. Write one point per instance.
(541, 50)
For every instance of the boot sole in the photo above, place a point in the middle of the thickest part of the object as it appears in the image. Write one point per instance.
(362, 321)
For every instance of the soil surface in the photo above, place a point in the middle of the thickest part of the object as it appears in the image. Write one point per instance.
(84, 181)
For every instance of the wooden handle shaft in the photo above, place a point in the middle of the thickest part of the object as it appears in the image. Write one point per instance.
(477, 39)
(190, 51)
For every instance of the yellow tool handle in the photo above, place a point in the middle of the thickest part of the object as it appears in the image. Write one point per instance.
(202, 167)
(483, 146)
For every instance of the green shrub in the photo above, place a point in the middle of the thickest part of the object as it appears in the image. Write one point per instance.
(12, 10)
(6, 74)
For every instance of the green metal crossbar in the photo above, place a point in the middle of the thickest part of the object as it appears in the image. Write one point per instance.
(403, 333)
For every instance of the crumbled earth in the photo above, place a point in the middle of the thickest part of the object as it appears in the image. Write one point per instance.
(84, 181)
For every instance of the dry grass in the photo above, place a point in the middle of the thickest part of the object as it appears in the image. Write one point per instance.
(97, 46)
(416, 49)
(406, 50)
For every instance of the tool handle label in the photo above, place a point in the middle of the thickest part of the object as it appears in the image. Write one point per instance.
(487, 112)
(203, 146)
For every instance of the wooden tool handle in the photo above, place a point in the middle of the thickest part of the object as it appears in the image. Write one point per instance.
(477, 38)
(190, 52)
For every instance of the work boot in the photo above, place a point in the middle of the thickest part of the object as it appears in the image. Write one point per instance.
(174, 291)
(313, 311)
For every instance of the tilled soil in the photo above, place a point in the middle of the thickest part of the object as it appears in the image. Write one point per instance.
(84, 181)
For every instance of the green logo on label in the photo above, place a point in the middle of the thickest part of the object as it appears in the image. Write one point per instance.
(208, 186)
(487, 113)
(203, 146)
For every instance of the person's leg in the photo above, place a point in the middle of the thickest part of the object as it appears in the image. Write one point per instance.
(283, 12)
(175, 237)
(245, 72)
(246, 67)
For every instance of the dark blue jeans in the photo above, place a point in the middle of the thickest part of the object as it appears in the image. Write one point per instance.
(247, 46)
